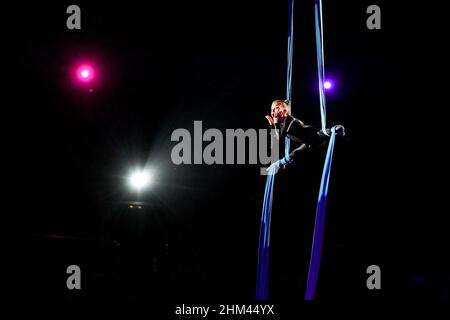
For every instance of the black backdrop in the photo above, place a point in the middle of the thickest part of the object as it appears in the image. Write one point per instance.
(162, 66)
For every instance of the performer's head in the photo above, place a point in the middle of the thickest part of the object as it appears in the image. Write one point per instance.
(280, 109)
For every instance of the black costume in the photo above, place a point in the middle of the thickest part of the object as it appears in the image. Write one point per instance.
(302, 136)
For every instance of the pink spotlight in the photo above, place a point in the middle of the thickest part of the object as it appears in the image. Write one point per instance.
(85, 73)
(328, 85)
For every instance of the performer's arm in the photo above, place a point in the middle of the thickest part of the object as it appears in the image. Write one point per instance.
(311, 135)
(340, 131)
(305, 133)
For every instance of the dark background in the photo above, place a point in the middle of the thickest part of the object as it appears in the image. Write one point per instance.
(162, 66)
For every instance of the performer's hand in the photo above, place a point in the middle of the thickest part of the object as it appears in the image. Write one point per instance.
(340, 130)
(279, 116)
(276, 119)
(270, 119)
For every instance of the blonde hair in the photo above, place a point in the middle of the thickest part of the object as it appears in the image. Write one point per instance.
(286, 102)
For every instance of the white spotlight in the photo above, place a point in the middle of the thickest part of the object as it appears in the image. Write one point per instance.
(140, 179)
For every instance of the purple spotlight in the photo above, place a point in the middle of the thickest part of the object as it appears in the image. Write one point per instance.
(328, 85)
(85, 73)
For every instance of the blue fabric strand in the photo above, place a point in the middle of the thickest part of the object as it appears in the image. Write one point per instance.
(319, 226)
(262, 279)
(290, 50)
(320, 62)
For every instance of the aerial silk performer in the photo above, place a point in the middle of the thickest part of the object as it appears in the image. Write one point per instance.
(262, 278)
(302, 137)
(319, 226)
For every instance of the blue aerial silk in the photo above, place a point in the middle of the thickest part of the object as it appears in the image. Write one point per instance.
(262, 278)
(290, 51)
(262, 282)
(319, 226)
(320, 62)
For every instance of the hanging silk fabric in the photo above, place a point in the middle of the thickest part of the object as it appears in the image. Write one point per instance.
(319, 226)
(262, 278)
(262, 281)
